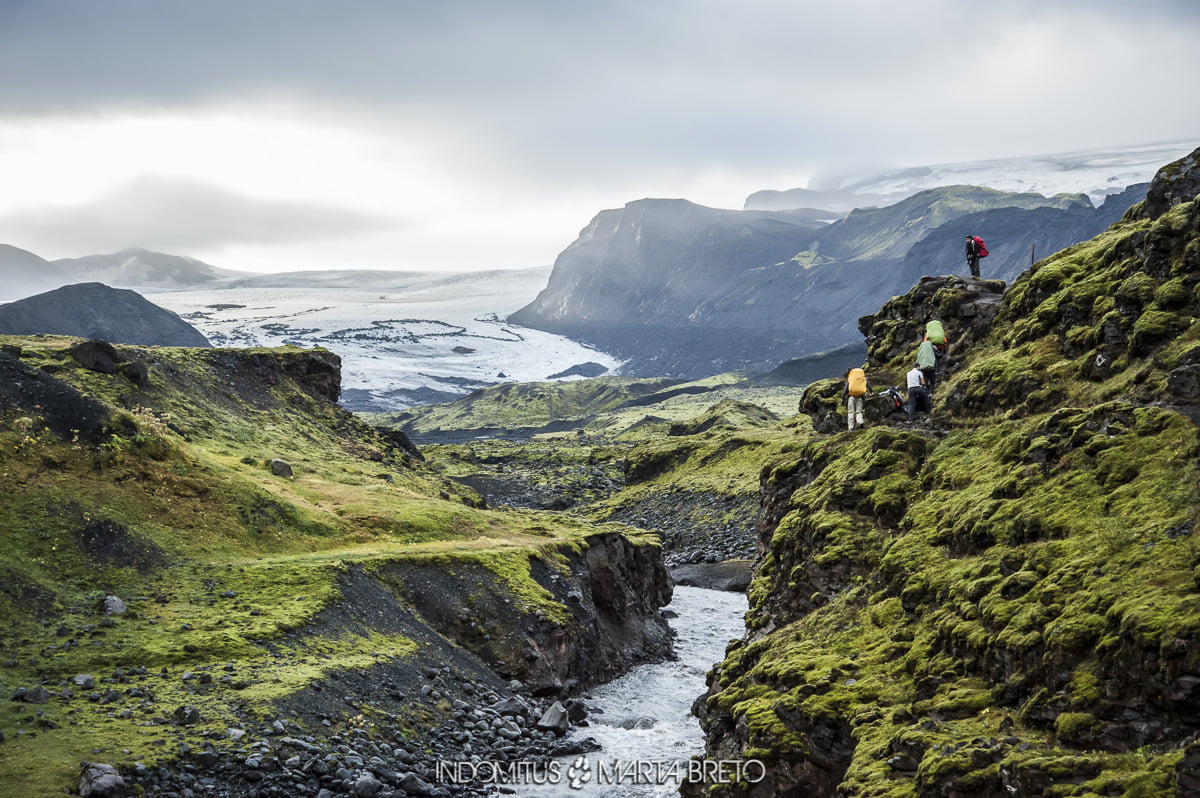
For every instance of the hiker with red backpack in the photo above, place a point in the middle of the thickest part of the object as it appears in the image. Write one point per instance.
(976, 249)
(856, 388)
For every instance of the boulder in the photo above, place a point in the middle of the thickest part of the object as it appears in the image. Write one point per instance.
(555, 719)
(97, 355)
(186, 716)
(136, 372)
(415, 785)
(97, 780)
(32, 695)
(366, 786)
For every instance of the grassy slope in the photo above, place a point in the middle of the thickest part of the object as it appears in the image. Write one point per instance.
(219, 560)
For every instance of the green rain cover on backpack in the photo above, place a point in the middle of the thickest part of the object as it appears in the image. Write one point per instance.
(934, 332)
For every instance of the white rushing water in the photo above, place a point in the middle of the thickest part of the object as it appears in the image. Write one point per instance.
(645, 724)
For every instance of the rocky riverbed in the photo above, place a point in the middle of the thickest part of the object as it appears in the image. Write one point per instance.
(381, 759)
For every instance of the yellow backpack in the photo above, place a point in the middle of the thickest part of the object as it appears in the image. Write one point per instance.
(856, 382)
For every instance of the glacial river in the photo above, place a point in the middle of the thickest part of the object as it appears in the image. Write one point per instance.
(646, 727)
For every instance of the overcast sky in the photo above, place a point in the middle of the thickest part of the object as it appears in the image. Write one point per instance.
(265, 135)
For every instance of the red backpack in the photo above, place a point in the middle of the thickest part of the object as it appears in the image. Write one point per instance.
(980, 247)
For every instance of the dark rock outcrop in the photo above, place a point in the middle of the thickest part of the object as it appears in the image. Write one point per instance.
(94, 310)
(317, 371)
(966, 306)
(612, 591)
(1174, 184)
(589, 369)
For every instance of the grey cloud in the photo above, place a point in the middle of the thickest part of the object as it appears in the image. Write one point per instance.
(179, 216)
(568, 89)
(77, 53)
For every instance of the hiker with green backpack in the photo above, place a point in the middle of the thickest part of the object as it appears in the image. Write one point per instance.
(927, 362)
(935, 336)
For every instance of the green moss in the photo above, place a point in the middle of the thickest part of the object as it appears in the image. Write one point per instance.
(1152, 328)
(1173, 294)
(1074, 727)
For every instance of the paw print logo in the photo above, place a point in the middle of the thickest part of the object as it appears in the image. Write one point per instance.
(580, 773)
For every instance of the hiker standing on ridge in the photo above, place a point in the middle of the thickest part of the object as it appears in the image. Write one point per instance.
(856, 388)
(975, 251)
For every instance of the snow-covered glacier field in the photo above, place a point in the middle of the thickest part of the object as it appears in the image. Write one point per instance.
(405, 338)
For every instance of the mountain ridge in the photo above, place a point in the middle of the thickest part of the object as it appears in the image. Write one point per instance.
(678, 289)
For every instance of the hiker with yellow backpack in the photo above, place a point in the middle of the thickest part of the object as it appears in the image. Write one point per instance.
(856, 389)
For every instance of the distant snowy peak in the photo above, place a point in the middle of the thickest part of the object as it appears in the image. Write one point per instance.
(1096, 173)
(141, 268)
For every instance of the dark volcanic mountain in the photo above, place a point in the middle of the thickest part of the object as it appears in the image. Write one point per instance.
(686, 291)
(94, 310)
(640, 280)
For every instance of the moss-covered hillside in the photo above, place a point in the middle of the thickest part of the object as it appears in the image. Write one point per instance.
(200, 539)
(680, 461)
(611, 407)
(1008, 603)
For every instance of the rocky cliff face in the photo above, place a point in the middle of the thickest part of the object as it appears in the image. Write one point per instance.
(651, 280)
(1004, 604)
(604, 617)
(688, 291)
